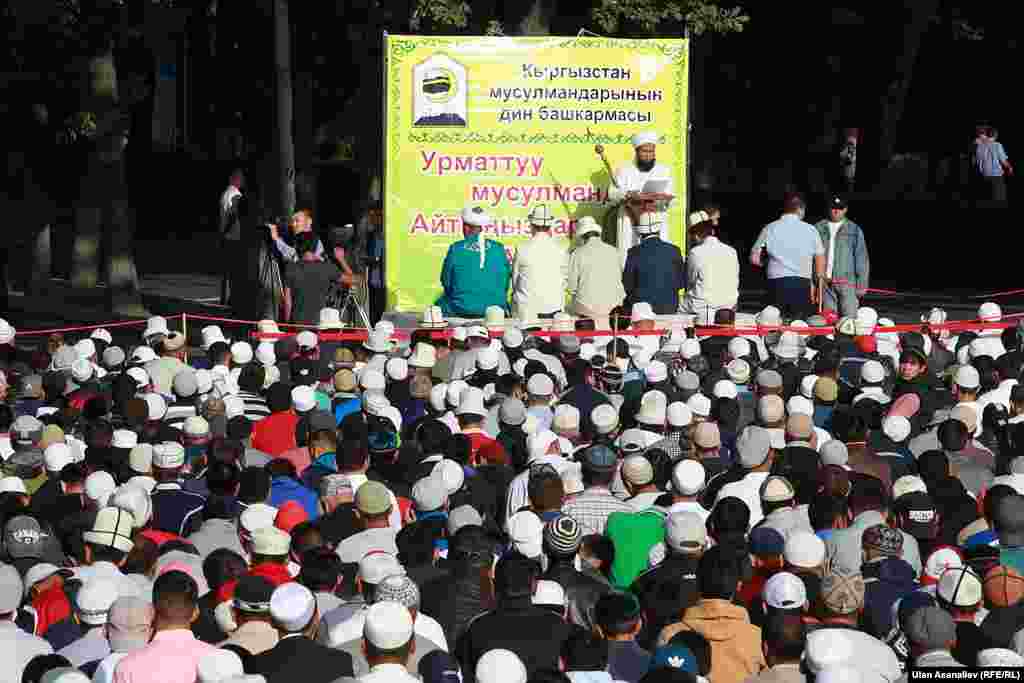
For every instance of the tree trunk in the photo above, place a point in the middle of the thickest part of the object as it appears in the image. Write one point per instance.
(893, 100)
(537, 21)
(284, 147)
(104, 224)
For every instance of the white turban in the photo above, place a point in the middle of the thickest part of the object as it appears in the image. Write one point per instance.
(474, 215)
(649, 224)
(648, 137)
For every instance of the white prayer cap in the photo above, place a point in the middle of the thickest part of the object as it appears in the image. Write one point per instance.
(56, 456)
(257, 516)
(647, 137)
(500, 666)
(438, 393)
(98, 487)
(93, 601)
(241, 353)
(388, 626)
(549, 593)
(990, 312)
(1000, 657)
(475, 215)
(292, 606)
(218, 666)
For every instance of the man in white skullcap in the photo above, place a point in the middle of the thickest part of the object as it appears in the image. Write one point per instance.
(388, 642)
(294, 613)
(476, 271)
(539, 270)
(643, 174)
(594, 284)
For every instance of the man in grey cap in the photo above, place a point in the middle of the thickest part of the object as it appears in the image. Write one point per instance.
(869, 505)
(26, 462)
(756, 457)
(592, 507)
(932, 635)
(129, 628)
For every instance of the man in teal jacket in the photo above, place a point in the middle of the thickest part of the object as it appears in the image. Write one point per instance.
(846, 264)
(476, 271)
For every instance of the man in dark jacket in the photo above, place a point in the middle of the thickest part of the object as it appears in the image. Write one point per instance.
(655, 271)
(454, 599)
(293, 609)
(667, 589)
(533, 633)
(562, 537)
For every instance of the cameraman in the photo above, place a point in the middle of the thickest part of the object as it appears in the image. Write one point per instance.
(301, 222)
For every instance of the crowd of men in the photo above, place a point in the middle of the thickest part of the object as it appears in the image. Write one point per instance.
(504, 504)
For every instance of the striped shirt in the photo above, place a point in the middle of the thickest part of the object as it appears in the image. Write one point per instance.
(255, 406)
(178, 412)
(593, 507)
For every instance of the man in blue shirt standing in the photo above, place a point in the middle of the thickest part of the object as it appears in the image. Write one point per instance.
(791, 252)
(992, 164)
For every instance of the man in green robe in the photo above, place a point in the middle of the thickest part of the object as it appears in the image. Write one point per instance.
(476, 271)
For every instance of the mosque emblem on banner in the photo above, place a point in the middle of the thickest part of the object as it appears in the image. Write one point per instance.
(440, 92)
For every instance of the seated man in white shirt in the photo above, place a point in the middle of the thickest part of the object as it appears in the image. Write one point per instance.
(712, 272)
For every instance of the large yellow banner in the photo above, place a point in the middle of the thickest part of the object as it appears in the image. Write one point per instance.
(509, 123)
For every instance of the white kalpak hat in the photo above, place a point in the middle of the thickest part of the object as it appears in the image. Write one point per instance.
(541, 215)
(647, 137)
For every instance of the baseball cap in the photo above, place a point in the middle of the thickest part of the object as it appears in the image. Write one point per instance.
(766, 541)
(804, 550)
(673, 656)
(512, 412)
(41, 572)
(128, 624)
(24, 537)
(784, 591)
(685, 532)
(526, 532)
(463, 515)
(921, 514)
(599, 458)
(252, 594)
(438, 666)
(428, 494)
(884, 539)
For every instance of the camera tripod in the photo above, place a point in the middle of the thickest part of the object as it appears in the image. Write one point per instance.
(352, 301)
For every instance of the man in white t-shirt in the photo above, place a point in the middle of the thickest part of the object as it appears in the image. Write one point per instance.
(230, 227)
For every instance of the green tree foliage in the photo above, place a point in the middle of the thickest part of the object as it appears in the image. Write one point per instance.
(699, 16)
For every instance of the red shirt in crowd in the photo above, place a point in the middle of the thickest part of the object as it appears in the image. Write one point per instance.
(275, 433)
